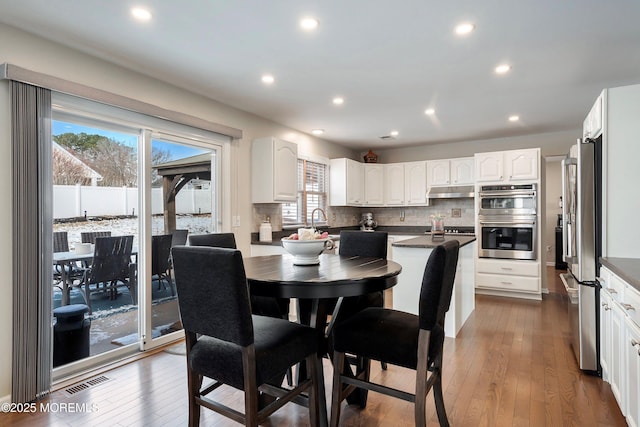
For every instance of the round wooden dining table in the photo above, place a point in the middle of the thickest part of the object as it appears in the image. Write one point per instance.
(334, 277)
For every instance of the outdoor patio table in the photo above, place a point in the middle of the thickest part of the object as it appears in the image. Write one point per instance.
(335, 277)
(66, 260)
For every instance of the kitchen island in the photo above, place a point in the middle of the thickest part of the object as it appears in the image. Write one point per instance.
(412, 255)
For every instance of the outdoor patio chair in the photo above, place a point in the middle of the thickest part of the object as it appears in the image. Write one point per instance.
(179, 237)
(72, 272)
(111, 266)
(90, 236)
(160, 260)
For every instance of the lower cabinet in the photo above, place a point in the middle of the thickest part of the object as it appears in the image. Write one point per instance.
(620, 343)
(632, 353)
(508, 278)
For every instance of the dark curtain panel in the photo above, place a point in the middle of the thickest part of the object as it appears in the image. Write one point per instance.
(32, 241)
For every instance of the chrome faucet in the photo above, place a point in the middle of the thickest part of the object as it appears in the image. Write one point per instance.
(324, 216)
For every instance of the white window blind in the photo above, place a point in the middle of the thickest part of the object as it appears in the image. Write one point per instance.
(312, 194)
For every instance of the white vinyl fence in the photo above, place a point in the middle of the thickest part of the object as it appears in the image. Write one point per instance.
(71, 201)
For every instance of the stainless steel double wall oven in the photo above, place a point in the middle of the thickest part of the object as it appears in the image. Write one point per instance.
(507, 219)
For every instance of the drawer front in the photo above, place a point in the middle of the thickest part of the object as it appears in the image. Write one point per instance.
(631, 303)
(508, 283)
(509, 267)
(615, 287)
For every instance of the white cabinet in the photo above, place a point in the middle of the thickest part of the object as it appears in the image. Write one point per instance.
(346, 182)
(462, 171)
(415, 183)
(508, 278)
(438, 172)
(373, 184)
(274, 171)
(632, 365)
(450, 172)
(507, 166)
(394, 192)
(592, 126)
(620, 342)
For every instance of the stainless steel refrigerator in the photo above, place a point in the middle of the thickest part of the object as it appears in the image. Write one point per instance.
(582, 231)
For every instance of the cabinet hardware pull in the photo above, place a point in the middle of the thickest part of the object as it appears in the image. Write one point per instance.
(612, 291)
(506, 283)
(506, 268)
(607, 308)
(634, 342)
(628, 306)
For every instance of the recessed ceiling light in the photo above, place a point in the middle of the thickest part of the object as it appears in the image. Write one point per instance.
(317, 131)
(514, 118)
(429, 111)
(309, 23)
(503, 68)
(394, 133)
(464, 28)
(268, 79)
(141, 14)
(338, 100)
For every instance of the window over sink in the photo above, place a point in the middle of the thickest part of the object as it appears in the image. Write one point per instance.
(312, 194)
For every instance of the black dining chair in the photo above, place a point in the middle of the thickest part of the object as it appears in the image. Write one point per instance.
(264, 306)
(229, 345)
(160, 260)
(403, 339)
(179, 237)
(111, 266)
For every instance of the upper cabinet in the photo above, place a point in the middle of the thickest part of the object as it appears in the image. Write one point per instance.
(346, 182)
(394, 192)
(450, 172)
(373, 184)
(592, 126)
(273, 164)
(507, 166)
(415, 183)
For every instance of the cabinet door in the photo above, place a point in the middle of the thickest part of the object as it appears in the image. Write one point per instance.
(373, 185)
(355, 187)
(521, 164)
(618, 350)
(489, 166)
(592, 126)
(632, 372)
(438, 172)
(394, 184)
(462, 171)
(605, 334)
(415, 183)
(285, 171)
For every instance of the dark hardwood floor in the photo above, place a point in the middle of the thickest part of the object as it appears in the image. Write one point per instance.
(511, 365)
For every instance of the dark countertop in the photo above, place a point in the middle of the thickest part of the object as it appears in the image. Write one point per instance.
(427, 242)
(627, 268)
(411, 230)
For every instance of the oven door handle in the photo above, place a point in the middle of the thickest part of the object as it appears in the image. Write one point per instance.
(507, 222)
(506, 195)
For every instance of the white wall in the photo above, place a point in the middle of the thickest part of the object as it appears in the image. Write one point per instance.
(36, 54)
(551, 144)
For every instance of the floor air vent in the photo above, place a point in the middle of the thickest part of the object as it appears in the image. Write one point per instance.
(86, 384)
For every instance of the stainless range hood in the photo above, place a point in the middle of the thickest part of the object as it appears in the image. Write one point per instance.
(458, 192)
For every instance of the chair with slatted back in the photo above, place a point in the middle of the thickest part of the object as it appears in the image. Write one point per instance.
(160, 260)
(232, 347)
(402, 339)
(111, 266)
(90, 236)
(61, 244)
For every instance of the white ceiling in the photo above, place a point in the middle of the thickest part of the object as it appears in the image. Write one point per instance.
(390, 60)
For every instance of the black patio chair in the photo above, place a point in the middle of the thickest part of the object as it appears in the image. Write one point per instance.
(227, 344)
(160, 260)
(179, 237)
(111, 266)
(90, 236)
(401, 339)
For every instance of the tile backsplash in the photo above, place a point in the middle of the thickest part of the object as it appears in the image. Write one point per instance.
(345, 216)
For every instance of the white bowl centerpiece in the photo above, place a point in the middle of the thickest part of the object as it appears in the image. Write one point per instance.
(306, 245)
